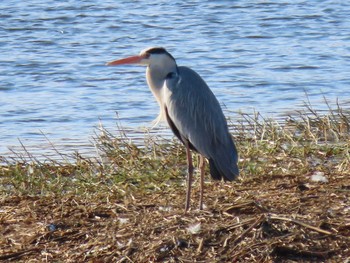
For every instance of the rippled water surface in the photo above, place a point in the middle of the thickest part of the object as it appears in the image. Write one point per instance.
(262, 55)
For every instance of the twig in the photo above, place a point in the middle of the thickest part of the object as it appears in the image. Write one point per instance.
(257, 222)
(19, 254)
(260, 219)
(317, 229)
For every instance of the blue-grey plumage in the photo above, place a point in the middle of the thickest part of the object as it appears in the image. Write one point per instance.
(192, 112)
(197, 115)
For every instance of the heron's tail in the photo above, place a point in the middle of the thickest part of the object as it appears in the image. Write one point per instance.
(214, 172)
(226, 173)
(224, 165)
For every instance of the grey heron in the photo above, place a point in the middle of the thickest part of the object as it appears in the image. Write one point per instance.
(192, 112)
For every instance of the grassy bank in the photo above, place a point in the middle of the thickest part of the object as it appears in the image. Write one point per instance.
(291, 202)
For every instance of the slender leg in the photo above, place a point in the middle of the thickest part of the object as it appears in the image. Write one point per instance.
(189, 176)
(201, 167)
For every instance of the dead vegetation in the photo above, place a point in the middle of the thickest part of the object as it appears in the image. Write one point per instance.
(290, 204)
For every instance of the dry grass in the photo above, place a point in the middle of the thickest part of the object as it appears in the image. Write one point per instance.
(128, 205)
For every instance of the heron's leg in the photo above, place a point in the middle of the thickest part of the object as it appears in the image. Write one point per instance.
(201, 167)
(189, 176)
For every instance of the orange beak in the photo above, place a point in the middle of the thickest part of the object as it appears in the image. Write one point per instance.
(129, 60)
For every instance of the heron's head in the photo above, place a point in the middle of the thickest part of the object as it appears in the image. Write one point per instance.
(152, 57)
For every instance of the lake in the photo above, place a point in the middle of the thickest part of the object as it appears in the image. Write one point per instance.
(265, 56)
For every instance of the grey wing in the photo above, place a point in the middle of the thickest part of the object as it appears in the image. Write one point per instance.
(197, 117)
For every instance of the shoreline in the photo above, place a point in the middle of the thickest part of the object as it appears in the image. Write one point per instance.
(290, 202)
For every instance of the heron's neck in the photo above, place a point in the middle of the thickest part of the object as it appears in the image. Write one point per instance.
(156, 76)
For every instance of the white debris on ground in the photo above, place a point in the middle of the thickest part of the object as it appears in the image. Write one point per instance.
(195, 228)
(319, 177)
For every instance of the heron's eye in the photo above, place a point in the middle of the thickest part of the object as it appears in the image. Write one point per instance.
(147, 55)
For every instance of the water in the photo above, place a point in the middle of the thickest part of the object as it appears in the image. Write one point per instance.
(262, 55)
